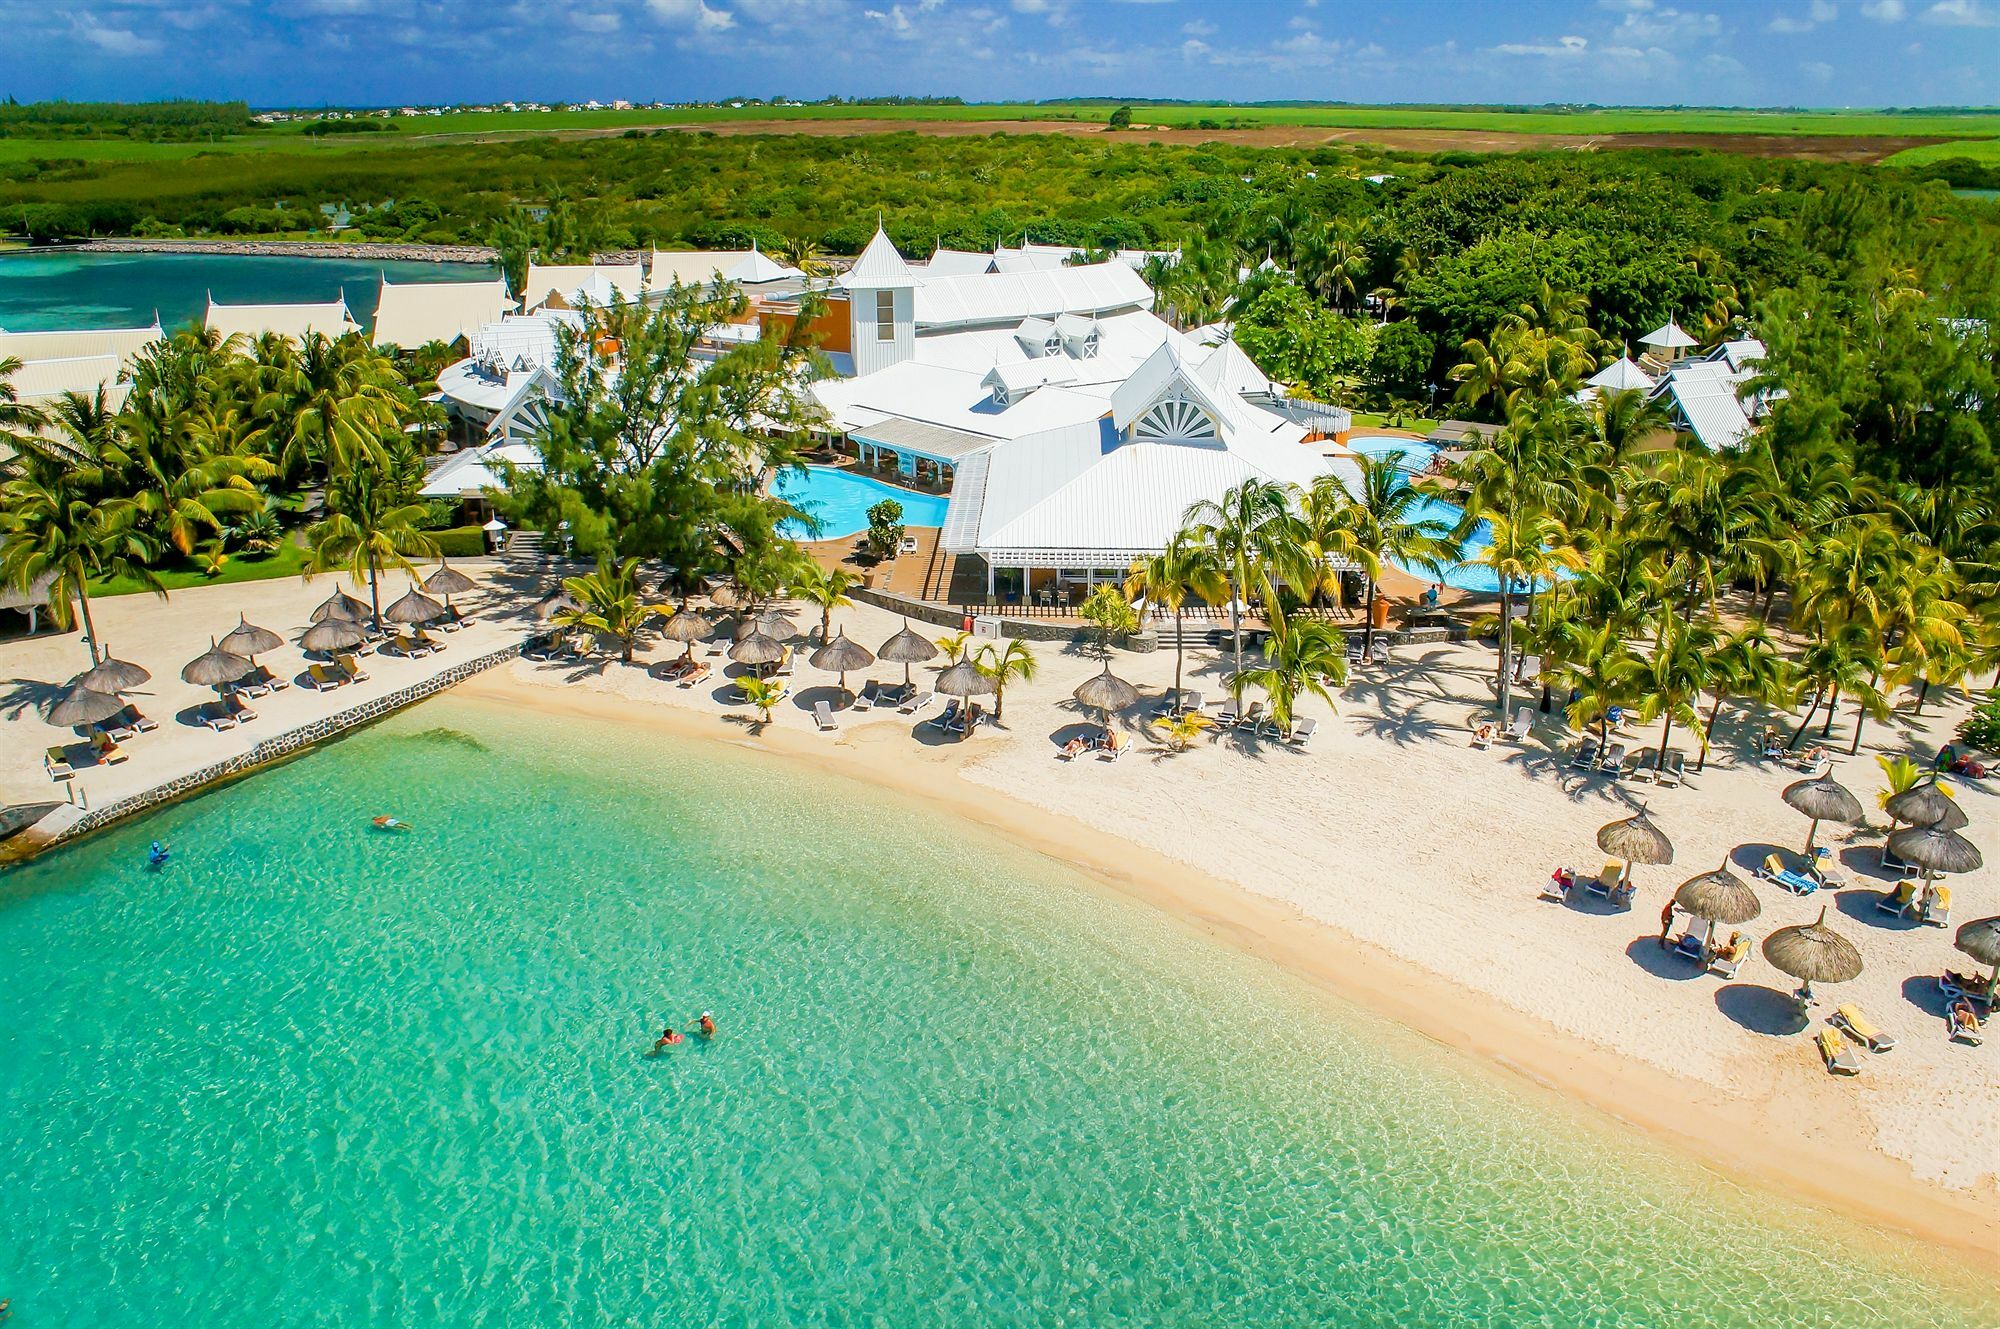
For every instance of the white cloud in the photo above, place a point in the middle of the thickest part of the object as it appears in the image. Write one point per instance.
(1198, 28)
(692, 13)
(1819, 71)
(114, 41)
(1885, 11)
(1820, 11)
(1666, 27)
(1723, 66)
(1960, 14)
(1194, 49)
(1562, 48)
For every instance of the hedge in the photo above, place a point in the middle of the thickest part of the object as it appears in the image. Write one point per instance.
(461, 542)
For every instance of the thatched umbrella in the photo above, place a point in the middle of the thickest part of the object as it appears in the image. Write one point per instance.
(1813, 953)
(687, 628)
(332, 634)
(1981, 940)
(757, 650)
(448, 581)
(1635, 840)
(554, 603)
(841, 655)
(215, 668)
(247, 639)
(1822, 799)
(1954, 819)
(1935, 849)
(341, 605)
(1922, 804)
(79, 705)
(1720, 897)
(724, 596)
(963, 679)
(1105, 692)
(414, 607)
(109, 675)
(770, 623)
(907, 648)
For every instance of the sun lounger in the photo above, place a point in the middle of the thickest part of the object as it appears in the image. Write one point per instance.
(697, 675)
(1971, 987)
(233, 705)
(320, 678)
(823, 717)
(1851, 1018)
(1642, 767)
(916, 703)
(1692, 944)
(351, 667)
(1797, 883)
(1302, 732)
(1115, 745)
(115, 729)
(56, 762)
(1838, 1054)
(1901, 900)
(410, 648)
(1936, 904)
(1961, 1025)
(1585, 756)
(1558, 886)
(1076, 747)
(424, 638)
(1608, 882)
(1523, 723)
(865, 699)
(106, 751)
(1670, 775)
(1251, 717)
(1727, 960)
(1527, 668)
(945, 718)
(1613, 762)
(784, 665)
(1189, 702)
(252, 686)
(214, 717)
(1228, 715)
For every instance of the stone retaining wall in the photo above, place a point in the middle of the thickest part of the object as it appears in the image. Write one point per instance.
(949, 616)
(283, 745)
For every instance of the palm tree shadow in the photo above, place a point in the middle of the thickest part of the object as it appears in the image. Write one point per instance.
(22, 695)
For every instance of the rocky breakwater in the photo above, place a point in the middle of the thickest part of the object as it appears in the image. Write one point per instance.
(290, 249)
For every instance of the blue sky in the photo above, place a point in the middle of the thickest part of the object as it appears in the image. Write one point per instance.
(1706, 52)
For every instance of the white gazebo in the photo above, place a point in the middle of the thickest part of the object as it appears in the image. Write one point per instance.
(1668, 342)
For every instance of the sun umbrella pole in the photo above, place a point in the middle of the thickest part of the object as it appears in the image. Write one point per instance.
(1812, 829)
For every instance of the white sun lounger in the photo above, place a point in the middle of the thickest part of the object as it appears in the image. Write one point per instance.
(1517, 732)
(916, 703)
(1302, 732)
(823, 717)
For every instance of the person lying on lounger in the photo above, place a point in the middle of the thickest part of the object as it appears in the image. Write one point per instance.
(1076, 746)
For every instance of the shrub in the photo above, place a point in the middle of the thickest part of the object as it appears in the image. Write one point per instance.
(461, 542)
(885, 528)
(1982, 728)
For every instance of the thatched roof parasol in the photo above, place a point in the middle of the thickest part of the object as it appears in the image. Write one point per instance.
(414, 607)
(1813, 953)
(448, 581)
(341, 605)
(757, 649)
(332, 634)
(964, 680)
(1636, 840)
(1105, 692)
(215, 667)
(907, 648)
(1719, 896)
(1922, 804)
(1981, 940)
(1935, 850)
(724, 597)
(686, 627)
(246, 638)
(840, 655)
(1954, 819)
(109, 675)
(81, 705)
(554, 603)
(1822, 799)
(771, 623)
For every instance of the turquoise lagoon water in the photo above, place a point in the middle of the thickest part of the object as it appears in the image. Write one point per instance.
(42, 290)
(839, 500)
(314, 1074)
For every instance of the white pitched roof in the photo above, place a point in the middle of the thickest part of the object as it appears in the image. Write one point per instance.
(1229, 369)
(1668, 336)
(296, 321)
(475, 470)
(956, 263)
(690, 266)
(70, 343)
(1704, 395)
(756, 267)
(568, 279)
(410, 314)
(1741, 352)
(1010, 297)
(1620, 375)
(42, 381)
(1021, 376)
(880, 267)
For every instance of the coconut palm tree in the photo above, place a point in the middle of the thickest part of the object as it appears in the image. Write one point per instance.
(1847, 659)
(1305, 657)
(1179, 732)
(608, 603)
(368, 526)
(826, 590)
(1671, 680)
(763, 693)
(1621, 419)
(954, 644)
(330, 404)
(804, 253)
(1745, 664)
(20, 421)
(1186, 567)
(1385, 526)
(1247, 532)
(1602, 671)
(1003, 664)
(54, 522)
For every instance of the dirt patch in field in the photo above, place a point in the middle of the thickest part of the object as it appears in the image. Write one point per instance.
(1823, 147)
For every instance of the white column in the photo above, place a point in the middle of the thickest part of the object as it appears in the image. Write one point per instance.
(989, 579)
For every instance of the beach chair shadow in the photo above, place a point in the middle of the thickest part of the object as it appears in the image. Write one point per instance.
(1865, 860)
(1859, 904)
(1761, 1010)
(1647, 953)
(1922, 992)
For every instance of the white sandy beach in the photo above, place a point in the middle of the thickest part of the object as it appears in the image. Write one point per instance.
(1389, 860)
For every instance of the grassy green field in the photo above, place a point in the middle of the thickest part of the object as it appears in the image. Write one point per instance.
(1985, 151)
(288, 561)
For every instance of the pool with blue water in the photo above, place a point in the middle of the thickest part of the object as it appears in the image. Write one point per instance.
(838, 502)
(1468, 575)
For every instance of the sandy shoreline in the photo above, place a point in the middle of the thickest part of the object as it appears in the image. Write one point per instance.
(1724, 1133)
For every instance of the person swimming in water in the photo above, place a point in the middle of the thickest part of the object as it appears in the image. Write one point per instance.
(157, 856)
(668, 1038)
(706, 1026)
(390, 824)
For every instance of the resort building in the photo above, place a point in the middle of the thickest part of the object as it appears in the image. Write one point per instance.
(412, 314)
(1706, 395)
(569, 285)
(297, 321)
(82, 361)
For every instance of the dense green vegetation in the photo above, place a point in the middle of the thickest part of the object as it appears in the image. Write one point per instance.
(145, 122)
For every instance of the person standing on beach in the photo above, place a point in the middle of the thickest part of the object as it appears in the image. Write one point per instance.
(1666, 923)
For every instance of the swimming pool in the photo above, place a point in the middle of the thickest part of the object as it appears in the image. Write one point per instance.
(1417, 455)
(839, 501)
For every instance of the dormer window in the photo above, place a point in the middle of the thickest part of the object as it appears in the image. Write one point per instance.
(1052, 346)
(1090, 345)
(1000, 396)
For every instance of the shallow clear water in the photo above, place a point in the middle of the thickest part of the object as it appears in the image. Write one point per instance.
(311, 1073)
(43, 290)
(839, 500)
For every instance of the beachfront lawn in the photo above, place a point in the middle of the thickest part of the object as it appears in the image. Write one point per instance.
(288, 561)
(1416, 424)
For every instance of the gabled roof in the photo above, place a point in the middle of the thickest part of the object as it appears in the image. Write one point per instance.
(756, 267)
(296, 321)
(1019, 376)
(567, 279)
(956, 263)
(410, 314)
(1621, 374)
(1033, 335)
(70, 343)
(1009, 297)
(880, 267)
(1228, 369)
(1704, 396)
(690, 267)
(42, 381)
(1668, 336)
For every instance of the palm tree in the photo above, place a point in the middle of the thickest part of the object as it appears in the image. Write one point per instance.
(331, 404)
(1246, 534)
(608, 604)
(1186, 567)
(1620, 419)
(1672, 679)
(1305, 657)
(1745, 664)
(1518, 559)
(1178, 732)
(1602, 671)
(368, 527)
(826, 590)
(1003, 664)
(1847, 659)
(19, 421)
(54, 524)
(763, 693)
(1384, 526)
(803, 252)
(953, 644)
